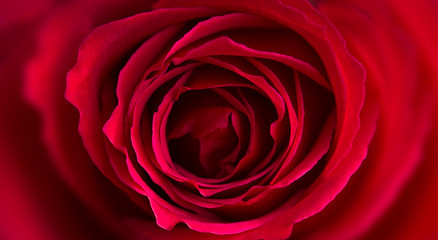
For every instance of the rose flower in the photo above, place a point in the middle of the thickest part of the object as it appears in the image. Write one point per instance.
(262, 119)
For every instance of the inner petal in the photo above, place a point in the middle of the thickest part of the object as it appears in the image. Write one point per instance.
(201, 135)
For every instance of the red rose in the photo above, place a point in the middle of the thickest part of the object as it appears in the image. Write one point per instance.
(219, 120)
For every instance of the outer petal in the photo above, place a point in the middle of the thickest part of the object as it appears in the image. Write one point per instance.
(58, 42)
(398, 83)
(34, 203)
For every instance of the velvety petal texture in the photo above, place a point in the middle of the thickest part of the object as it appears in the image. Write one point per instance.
(236, 120)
